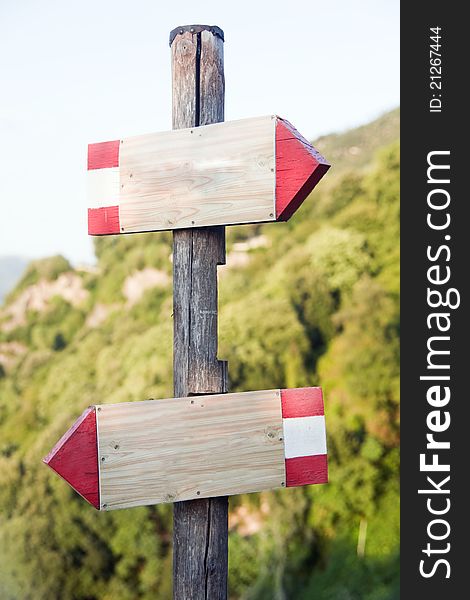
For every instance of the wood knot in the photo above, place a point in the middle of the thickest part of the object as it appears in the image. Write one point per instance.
(271, 433)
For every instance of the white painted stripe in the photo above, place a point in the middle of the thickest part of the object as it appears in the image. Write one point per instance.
(304, 436)
(103, 187)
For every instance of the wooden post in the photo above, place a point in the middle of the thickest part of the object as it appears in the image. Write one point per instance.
(200, 527)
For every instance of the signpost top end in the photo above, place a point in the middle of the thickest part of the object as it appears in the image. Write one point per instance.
(196, 29)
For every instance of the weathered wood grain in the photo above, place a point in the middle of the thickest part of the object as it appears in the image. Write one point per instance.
(200, 527)
(212, 80)
(195, 309)
(183, 70)
(185, 448)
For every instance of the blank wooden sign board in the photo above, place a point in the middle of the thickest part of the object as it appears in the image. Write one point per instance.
(140, 453)
(248, 171)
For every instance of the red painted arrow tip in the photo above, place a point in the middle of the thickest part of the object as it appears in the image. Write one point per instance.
(299, 167)
(75, 457)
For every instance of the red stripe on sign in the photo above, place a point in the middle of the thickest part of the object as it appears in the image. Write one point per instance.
(299, 167)
(302, 402)
(103, 221)
(103, 155)
(305, 470)
(75, 457)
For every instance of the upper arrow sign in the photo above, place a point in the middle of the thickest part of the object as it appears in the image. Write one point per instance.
(248, 171)
(139, 453)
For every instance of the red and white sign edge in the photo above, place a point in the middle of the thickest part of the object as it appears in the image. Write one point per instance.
(305, 451)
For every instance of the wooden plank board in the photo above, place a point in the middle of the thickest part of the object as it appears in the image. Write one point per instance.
(196, 447)
(213, 175)
(200, 446)
(247, 171)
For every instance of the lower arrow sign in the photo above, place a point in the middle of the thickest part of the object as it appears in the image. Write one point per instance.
(140, 453)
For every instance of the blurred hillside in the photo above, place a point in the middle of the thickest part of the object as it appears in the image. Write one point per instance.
(310, 302)
(356, 148)
(11, 268)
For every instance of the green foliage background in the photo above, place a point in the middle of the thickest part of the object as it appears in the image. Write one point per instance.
(318, 306)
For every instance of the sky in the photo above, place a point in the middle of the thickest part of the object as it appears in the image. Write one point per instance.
(75, 72)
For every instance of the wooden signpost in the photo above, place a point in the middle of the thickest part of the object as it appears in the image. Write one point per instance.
(249, 171)
(139, 453)
(205, 444)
